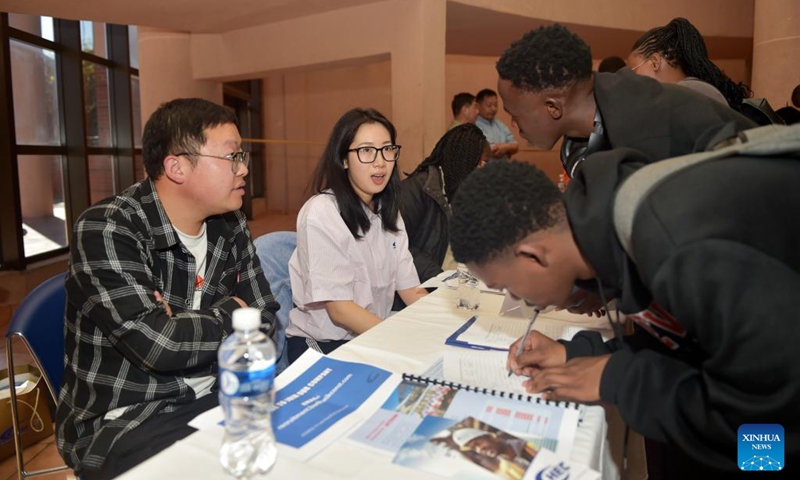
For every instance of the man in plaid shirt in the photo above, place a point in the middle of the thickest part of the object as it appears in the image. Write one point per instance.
(155, 275)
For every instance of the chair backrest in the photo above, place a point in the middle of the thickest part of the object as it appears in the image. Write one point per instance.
(39, 321)
(274, 251)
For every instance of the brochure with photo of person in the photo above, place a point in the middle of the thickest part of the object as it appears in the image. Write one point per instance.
(546, 424)
(473, 450)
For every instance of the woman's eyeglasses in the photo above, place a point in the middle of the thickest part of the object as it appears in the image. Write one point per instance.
(390, 153)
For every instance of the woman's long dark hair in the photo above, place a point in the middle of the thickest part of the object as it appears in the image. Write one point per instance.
(681, 45)
(330, 173)
(458, 153)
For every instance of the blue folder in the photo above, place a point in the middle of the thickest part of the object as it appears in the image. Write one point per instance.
(453, 340)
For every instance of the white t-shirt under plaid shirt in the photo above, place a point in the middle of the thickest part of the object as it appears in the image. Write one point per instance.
(330, 264)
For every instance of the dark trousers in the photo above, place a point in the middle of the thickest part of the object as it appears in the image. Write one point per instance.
(152, 436)
(297, 345)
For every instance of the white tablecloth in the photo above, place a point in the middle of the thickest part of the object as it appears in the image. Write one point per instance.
(407, 342)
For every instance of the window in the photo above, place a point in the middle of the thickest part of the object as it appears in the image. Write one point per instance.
(96, 105)
(39, 26)
(93, 38)
(34, 83)
(72, 145)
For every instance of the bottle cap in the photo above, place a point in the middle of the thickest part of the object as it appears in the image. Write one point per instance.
(246, 319)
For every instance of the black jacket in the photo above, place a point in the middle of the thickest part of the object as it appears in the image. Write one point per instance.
(425, 211)
(713, 293)
(660, 120)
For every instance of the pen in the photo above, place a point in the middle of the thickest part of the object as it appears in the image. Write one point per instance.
(525, 337)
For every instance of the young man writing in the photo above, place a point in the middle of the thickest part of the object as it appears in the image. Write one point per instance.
(711, 291)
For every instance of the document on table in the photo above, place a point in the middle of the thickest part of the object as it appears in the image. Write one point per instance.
(484, 369)
(486, 332)
(317, 400)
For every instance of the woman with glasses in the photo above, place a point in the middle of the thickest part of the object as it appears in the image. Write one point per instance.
(426, 194)
(352, 248)
(676, 53)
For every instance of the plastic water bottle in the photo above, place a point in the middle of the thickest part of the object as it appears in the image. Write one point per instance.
(468, 293)
(246, 395)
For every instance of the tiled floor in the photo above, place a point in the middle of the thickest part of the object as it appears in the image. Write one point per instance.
(44, 453)
(37, 457)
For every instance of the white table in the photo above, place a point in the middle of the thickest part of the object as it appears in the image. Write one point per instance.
(407, 342)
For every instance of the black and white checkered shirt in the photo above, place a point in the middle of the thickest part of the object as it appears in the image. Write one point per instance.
(122, 349)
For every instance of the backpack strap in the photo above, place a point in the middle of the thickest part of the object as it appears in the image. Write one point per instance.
(757, 142)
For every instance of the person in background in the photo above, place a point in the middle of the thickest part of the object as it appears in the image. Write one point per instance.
(465, 109)
(611, 64)
(676, 53)
(501, 140)
(155, 274)
(709, 252)
(425, 196)
(352, 248)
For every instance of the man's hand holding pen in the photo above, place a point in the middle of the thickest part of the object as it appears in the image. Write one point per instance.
(544, 360)
(539, 351)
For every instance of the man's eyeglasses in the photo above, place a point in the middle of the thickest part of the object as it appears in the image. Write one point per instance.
(390, 153)
(237, 158)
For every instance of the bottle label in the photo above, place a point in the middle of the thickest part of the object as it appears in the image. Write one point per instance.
(247, 383)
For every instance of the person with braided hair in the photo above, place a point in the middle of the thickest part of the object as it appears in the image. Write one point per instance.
(426, 194)
(676, 53)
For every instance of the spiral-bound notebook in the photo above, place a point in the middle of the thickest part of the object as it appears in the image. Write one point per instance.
(515, 396)
(485, 368)
(546, 424)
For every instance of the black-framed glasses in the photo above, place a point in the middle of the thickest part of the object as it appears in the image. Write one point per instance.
(390, 153)
(237, 158)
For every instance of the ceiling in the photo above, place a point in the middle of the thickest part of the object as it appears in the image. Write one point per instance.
(477, 31)
(200, 16)
(471, 30)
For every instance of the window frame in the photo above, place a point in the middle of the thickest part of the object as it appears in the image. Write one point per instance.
(73, 148)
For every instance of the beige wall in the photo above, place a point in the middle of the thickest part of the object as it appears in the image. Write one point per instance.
(304, 107)
(731, 18)
(737, 69)
(413, 41)
(165, 70)
(776, 50)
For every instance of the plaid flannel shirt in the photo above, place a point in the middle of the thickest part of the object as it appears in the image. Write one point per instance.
(121, 347)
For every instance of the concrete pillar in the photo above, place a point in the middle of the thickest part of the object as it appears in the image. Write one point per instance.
(418, 78)
(165, 70)
(776, 50)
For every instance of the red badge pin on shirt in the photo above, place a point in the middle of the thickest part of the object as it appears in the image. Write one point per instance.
(198, 282)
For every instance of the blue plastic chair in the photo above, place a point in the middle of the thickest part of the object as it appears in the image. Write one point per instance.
(39, 323)
(274, 251)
